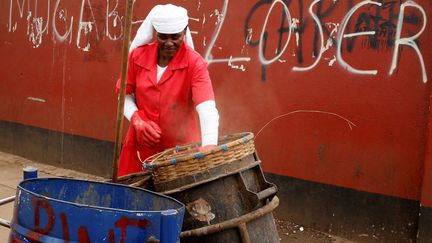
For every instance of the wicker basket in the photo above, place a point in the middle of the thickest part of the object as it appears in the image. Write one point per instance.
(184, 160)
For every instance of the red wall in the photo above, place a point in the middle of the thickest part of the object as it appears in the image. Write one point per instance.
(328, 123)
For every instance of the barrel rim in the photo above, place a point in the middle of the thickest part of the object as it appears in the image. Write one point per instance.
(211, 175)
(20, 188)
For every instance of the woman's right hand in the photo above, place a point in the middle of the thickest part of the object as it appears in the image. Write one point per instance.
(147, 132)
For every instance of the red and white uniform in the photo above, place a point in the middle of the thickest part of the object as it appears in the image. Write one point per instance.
(170, 103)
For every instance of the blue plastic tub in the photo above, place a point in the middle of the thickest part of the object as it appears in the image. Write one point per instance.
(70, 210)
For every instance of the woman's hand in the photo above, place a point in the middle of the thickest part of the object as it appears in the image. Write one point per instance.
(206, 148)
(148, 133)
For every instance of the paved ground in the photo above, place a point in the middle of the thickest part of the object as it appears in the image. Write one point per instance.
(11, 174)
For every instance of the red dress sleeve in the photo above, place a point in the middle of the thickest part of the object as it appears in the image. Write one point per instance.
(131, 75)
(202, 89)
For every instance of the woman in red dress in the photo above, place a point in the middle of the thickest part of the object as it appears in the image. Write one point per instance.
(169, 95)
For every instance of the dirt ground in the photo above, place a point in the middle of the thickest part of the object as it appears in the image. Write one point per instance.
(11, 174)
(290, 232)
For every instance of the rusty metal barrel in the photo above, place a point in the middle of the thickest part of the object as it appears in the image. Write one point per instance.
(226, 195)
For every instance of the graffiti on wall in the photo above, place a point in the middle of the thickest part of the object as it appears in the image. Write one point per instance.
(382, 28)
(58, 20)
(381, 22)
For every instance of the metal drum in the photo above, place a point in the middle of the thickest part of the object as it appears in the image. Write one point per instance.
(229, 203)
(69, 210)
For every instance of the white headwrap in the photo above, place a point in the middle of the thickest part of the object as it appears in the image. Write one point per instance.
(166, 19)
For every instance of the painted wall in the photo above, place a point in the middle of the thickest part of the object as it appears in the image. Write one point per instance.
(337, 92)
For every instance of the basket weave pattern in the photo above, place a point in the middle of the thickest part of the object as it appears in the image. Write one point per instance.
(183, 161)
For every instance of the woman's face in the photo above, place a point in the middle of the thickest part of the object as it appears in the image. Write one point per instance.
(169, 43)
